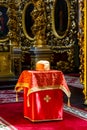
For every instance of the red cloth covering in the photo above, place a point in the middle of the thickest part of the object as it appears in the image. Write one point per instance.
(43, 98)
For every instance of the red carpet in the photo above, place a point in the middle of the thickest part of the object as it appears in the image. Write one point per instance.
(13, 113)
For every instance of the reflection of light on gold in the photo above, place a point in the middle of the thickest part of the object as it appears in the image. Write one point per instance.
(85, 51)
(39, 26)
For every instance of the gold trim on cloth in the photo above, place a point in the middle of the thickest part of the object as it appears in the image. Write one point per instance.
(36, 89)
(19, 87)
(56, 119)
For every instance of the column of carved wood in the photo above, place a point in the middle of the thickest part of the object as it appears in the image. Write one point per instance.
(39, 17)
(82, 36)
(85, 51)
(12, 23)
(13, 35)
(81, 40)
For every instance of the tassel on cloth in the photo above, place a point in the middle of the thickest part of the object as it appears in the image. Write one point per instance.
(16, 97)
(68, 102)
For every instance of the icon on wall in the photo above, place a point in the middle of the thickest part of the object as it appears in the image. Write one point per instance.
(3, 22)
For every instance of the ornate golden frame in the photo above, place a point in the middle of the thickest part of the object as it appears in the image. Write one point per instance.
(11, 40)
(23, 20)
(65, 43)
(85, 51)
(25, 40)
(5, 38)
(82, 36)
(58, 44)
(53, 23)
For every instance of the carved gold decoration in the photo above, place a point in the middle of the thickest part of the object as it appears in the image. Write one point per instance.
(69, 39)
(25, 40)
(64, 65)
(81, 39)
(43, 16)
(39, 18)
(39, 27)
(85, 51)
(65, 43)
(27, 5)
(11, 40)
(3, 4)
(12, 23)
(5, 48)
(61, 20)
(82, 36)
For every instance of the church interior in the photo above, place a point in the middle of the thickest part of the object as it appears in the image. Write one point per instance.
(34, 30)
(23, 40)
